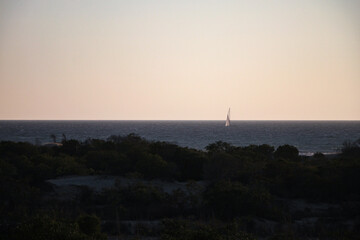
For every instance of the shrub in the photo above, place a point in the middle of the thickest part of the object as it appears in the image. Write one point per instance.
(232, 199)
(46, 227)
(89, 224)
(351, 148)
(286, 151)
(319, 155)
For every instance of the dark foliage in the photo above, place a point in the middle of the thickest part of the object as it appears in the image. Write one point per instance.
(351, 148)
(287, 152)
(224, 183)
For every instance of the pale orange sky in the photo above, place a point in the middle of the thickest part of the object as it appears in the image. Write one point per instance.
(180, 60)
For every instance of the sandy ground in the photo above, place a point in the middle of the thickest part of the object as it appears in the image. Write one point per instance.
(99, 183)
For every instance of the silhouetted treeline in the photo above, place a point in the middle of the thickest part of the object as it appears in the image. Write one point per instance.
(227, 188)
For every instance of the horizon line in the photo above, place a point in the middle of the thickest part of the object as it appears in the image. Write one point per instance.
(179, 120)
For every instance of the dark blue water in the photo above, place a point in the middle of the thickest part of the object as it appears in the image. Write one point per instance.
(307, 136)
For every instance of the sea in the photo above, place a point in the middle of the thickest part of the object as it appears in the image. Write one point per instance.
(308, 136)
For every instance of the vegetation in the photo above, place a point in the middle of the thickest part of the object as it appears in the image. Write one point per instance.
(229, 192)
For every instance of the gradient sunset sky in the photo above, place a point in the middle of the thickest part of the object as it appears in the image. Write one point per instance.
(180, 60)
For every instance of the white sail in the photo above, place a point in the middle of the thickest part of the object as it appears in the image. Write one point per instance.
(227, 123)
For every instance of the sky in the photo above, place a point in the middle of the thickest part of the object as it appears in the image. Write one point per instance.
(180, 60)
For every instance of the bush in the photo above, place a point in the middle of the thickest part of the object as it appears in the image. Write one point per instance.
(221, 165)
(351, 148)
(219, 146)
(192, 230)
(45, 227)
(286, 151)
(232, 199)
(89, 224)
(319, 155)
(152, 166)
(107, 161)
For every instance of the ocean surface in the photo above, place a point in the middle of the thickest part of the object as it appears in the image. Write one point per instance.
(308, 136)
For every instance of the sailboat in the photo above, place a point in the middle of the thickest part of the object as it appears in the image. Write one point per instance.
(227, 123)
